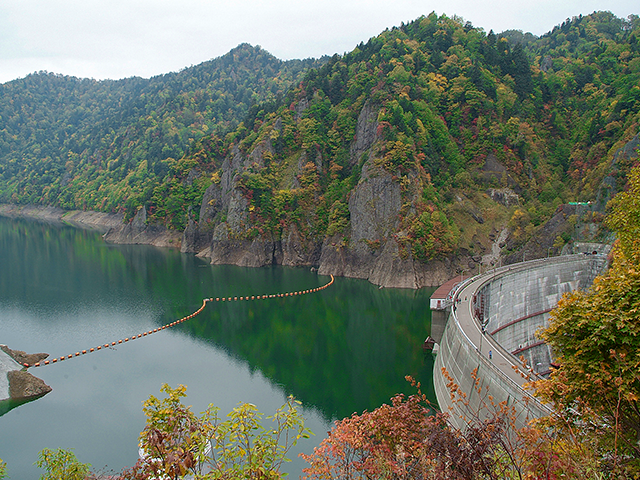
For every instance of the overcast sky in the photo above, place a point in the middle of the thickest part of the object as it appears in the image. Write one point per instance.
(122, 38)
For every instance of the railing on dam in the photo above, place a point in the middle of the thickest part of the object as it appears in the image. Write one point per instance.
(512, 301)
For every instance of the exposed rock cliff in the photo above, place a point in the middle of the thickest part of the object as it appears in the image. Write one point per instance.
(138, 232)
(368, 248)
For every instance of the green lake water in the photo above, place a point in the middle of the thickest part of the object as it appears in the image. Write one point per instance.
(343, 350)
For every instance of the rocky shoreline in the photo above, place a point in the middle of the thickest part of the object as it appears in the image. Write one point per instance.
(383, 267)
(20, 386)
(111, 225)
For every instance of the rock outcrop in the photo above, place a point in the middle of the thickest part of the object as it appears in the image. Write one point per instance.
(22, 357)
(24, 387)
(91, 220)
(18, 386)
(368, 249)
(139, 232)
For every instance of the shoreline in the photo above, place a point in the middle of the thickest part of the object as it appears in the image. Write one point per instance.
(110, 225)
(92, 220)
(385, 269)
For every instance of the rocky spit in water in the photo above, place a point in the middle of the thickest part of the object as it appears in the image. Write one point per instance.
(18, 386)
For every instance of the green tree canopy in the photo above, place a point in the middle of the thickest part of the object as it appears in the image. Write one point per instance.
(596, 338)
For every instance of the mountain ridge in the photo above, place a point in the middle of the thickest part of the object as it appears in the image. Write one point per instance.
(420, 147)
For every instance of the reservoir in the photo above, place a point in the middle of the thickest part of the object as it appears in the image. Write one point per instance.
(342, 350)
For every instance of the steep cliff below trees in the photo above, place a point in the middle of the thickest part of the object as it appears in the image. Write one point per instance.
(367, 246)
(431, 150)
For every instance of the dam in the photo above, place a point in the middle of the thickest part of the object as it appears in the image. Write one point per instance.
(486, 330)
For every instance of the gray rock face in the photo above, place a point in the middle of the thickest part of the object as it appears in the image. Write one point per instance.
(366, 132)
(237, 212)
(22, 357)
(193, 240)
(301, 107)
(494, 171)
(24, 386)
(224, 199)
(89, 220)
(297, 251)
(137, 232)
(244, 253)
(370, 250)
(374, 205)
(211, 204)
(504, 196)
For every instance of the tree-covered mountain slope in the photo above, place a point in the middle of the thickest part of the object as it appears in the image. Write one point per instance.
(429, 150)
(429, 143)
(105, 145)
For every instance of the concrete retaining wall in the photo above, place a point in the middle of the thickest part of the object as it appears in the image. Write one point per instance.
(512, 303)
(517, 303)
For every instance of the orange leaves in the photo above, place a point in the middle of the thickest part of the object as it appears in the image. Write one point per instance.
(388, 440)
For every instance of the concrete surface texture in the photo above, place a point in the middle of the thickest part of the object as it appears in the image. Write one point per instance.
(7, 364)
(512, 303)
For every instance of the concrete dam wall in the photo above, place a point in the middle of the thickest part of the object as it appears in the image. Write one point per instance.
(491, 322)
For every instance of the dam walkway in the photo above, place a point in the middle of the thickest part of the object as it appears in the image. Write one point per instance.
(512, 302)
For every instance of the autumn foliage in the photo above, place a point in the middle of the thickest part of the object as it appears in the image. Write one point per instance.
(596, 337)
(408, 439)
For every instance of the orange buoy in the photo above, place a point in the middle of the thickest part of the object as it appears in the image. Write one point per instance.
(46, 362)
(54, 360)
(37, 364)
(98, 347)
(91, 350)
(84, 352)
(77, 354)
(25, 365)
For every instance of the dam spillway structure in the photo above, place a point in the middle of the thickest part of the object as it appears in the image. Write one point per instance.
(486, 325)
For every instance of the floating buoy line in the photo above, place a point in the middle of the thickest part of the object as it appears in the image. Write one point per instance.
(177, 322)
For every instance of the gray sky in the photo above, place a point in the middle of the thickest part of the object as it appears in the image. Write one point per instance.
(122, 38)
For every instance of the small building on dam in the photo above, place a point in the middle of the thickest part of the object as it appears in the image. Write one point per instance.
(486, 330)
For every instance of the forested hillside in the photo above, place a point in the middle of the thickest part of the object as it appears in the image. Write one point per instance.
(455, 133)
(105, 145)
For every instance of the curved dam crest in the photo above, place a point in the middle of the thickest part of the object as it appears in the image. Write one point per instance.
(489, 321)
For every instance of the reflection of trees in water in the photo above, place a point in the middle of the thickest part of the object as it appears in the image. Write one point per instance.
(343, 350)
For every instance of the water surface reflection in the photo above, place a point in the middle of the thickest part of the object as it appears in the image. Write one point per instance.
(62, 289)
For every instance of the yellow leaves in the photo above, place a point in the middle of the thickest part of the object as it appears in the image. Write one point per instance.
(437, 81)
(308, 128)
